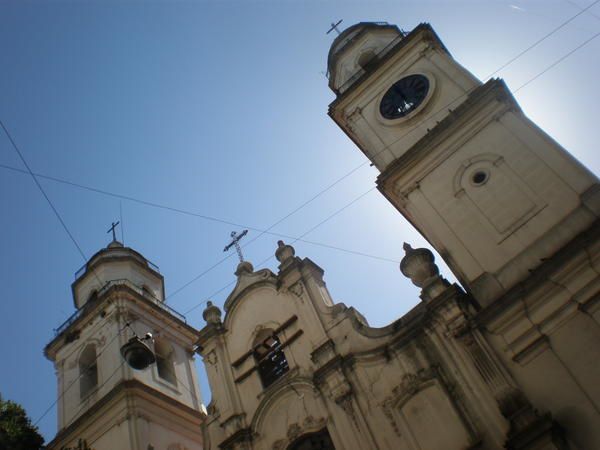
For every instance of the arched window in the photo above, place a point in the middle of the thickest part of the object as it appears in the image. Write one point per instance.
(269, 357)
(165, 361)
(88, 371)
(313, 441)
(366, 58)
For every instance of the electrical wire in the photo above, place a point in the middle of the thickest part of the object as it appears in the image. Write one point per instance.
(314, 197)
(321, 192)
(37, 183)
(331, 216)
(580, 7)
(187, 212)
(197, 305)
(62, 394)
(557, 62)
(386, 147)
(41, 189)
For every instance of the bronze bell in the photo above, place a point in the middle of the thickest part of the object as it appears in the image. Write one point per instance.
(137, 353)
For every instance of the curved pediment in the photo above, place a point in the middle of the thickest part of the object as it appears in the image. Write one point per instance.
(290, 410)
(247, 280)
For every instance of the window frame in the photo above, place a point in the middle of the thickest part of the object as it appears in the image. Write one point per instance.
(271, 364)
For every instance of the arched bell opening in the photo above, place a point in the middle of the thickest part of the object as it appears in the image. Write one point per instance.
(165, 361)
(137, 353)
(88, 371)
(270, 358)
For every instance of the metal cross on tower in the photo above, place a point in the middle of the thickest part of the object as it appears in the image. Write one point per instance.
(112, 228)
(235, 242)
(334, 27)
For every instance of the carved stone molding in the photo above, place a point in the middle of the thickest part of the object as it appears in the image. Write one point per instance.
(411, 384)
(325, 352)
(211, 358)
(143, 417)
(212, 409)
(297, 289)
(512, 403)
(293, 431)
(346, 403)
(309, 425)
(387, 410)
(340, 390)
(279, 444)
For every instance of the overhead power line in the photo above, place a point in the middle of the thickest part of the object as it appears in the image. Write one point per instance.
(313, 228)
(329, 187)
(41, 189)
(415, 127)
(212, 295)
(37, 183)
(557, 62)
(195, 214)
(337, 181)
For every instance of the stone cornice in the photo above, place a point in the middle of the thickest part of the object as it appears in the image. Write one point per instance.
(121, 389)
(206, 334)
(539, 275)
(103, 301)
(241, 435)
(96, 260)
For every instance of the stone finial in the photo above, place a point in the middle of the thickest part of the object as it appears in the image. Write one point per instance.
(418, 265)
(244, 267)
(284, 253)
(212, 314)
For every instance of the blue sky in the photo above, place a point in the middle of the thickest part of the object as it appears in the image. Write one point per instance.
(220, 108)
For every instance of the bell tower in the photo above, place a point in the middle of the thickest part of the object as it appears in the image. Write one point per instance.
(458, 158)
(117, 294)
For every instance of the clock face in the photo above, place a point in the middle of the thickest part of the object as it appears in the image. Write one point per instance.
(404, 96)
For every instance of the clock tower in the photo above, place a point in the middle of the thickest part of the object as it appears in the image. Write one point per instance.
(493, 193)
(512, 213)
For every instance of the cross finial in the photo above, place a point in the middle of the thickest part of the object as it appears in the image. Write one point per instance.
(112, 228)
(334, 27)
(235, 242)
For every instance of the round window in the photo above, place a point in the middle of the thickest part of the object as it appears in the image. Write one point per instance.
(479, 177)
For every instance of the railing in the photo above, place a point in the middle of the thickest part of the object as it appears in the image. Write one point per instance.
(81, 271)
(142, 292)
(120, 282)
(68, 322)
(153, 266)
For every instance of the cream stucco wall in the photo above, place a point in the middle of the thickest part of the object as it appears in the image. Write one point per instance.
(524, 242)
(127, 409)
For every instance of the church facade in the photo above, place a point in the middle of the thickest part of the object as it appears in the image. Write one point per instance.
(507, 358)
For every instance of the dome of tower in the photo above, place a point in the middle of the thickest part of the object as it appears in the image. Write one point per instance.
(355, 48)
(116, 264)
